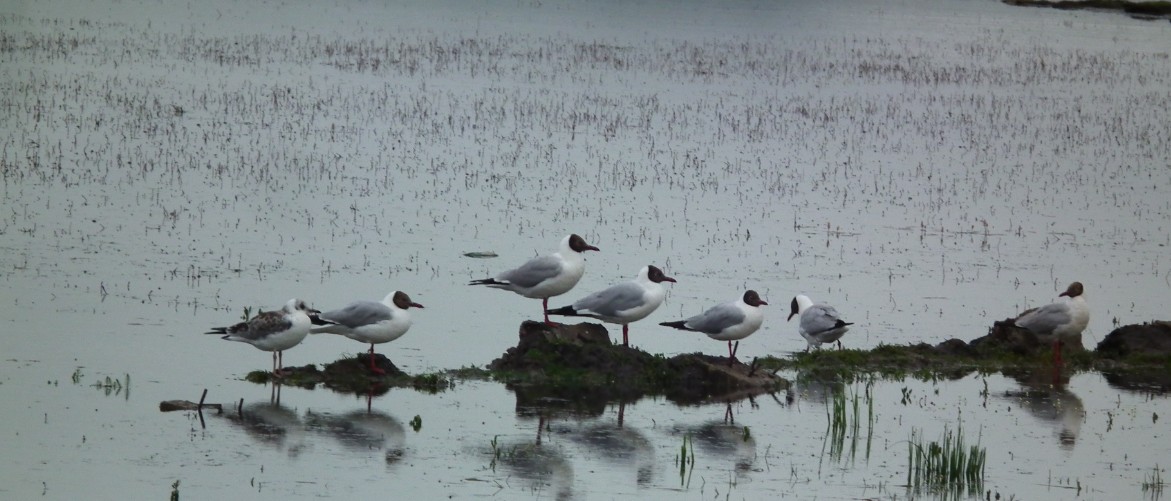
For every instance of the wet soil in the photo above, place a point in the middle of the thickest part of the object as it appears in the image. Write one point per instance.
(1134, 353)
(581, 358)
(1137, 10)
(353, 375)
(578, 364)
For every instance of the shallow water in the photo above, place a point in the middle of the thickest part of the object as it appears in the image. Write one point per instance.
(927, 167)
(1042, 443)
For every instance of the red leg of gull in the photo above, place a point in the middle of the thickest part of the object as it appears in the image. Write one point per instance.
(374, 368)
(545, 308)
(1057, 352)
(625, 336)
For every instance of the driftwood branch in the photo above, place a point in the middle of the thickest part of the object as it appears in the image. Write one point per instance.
(187, 405)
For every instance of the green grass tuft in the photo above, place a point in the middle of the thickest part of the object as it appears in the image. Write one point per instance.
(949, 468)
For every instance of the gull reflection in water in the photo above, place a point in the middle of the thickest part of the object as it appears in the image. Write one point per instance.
(1048, 399)
(543, 467)
(270, 423)
(619, 444)
(725, 439)
(363, 431)
(814, 389)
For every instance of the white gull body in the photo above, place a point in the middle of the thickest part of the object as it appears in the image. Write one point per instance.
(1059, 322)
(818, 323)
(547, 276)
(274, 331)
(731, 321)
(371, 322)
(623, 303)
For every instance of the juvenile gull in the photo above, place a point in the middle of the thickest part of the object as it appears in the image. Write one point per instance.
(274, 331)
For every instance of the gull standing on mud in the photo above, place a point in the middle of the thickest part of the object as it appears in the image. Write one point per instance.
(371, 322)
(1060, 321)
(731, 321)
(819, 323)
(545, 276)
(274, 331)
(623, 303)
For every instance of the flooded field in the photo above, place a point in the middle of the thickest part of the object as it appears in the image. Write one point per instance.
(926, 167)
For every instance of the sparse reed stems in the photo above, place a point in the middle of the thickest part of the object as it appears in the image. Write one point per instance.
(948, 467)
(844, 419)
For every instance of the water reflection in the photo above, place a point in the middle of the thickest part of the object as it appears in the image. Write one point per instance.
(543, 466)
(271, 423)
(727, 441)
(814, 389)
(724, 440)
(362, 431)
(546, 406)
(1151, 382)
(620, 444)
(1045, 395)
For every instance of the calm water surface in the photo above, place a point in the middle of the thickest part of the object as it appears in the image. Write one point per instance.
(928, 167)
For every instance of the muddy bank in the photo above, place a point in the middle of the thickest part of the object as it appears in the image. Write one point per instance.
(353, 375)
(579, 364)
(1126, 354)
(1137, 10)
(580, 360)
(1150, 339)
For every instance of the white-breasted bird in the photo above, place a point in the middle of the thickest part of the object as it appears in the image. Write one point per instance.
(730, 321)
(622, 303)
(819, 322)
(371, 322)
(1058, 322)
(274, 331)
(546, 276)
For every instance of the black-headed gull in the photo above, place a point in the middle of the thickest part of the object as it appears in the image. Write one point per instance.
(819, 323)
(545, 276)
(371, 322)
(1057, 322)
(731, 321)
(274, 331)
(622, 303)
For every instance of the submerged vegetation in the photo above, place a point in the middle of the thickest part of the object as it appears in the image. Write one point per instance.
(949, 467)
(109, 385)
(844, 418)
(1153, 483)
(686, 460)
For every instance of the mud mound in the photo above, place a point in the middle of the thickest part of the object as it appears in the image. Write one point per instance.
(1006, 337)
(1146, 339)
(581, 359)
(353, 375)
